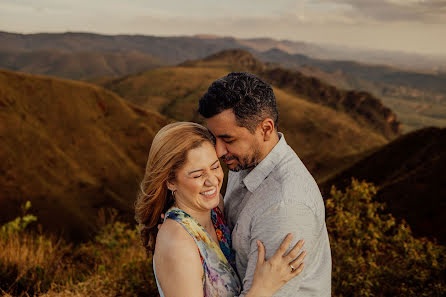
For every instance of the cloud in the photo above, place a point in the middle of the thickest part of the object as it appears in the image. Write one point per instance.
(426, 11)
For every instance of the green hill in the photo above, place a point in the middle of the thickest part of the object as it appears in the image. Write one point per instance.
(70, 148)
(325, 137)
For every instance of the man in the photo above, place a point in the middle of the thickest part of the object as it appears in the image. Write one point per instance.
(270, 192)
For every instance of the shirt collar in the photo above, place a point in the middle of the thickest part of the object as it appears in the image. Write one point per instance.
(257, 175)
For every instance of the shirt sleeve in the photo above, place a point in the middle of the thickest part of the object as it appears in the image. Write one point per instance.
(271, 227)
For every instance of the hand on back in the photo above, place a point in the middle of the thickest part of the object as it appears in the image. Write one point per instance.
(270, 275)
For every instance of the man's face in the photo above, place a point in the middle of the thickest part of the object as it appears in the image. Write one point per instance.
(236, 146)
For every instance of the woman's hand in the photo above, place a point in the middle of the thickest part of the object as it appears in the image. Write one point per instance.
(271, 275)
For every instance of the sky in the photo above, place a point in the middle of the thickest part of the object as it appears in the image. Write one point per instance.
(417, 26)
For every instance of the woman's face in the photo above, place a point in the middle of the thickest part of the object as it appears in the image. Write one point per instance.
(199, 181)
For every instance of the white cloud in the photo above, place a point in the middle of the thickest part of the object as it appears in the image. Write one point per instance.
(427, 11)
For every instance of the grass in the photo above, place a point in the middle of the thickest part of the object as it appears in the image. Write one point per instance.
(373, 255)
(113, 264)
(62, 140)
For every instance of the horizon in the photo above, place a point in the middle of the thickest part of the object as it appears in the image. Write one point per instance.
(410, 26)
(214, 36)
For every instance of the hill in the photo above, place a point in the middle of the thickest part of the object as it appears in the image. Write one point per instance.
(418, 98)
(361, 106)
(325, 137)
(78, 65)
(413, 86)
(70, 148)
(409, 173)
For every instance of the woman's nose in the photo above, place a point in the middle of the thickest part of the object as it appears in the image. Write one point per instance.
(212, 180)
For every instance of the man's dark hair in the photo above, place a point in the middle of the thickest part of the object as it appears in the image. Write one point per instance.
(251, 99)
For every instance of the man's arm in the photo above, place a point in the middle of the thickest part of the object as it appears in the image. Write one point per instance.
(271, 227)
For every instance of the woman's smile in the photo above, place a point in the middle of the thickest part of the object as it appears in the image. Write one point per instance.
(210, 193)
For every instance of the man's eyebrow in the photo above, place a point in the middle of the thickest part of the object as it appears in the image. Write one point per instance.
(197, 170)
(225, 136)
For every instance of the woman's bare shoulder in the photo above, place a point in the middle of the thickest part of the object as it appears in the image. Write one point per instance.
(171, 236)
(177, 258)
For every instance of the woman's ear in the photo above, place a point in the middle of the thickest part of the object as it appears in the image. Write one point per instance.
(171, 186)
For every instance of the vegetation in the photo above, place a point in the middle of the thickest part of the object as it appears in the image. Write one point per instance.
(373, 255)
(112, 264)
(70, 148)
(409, 173)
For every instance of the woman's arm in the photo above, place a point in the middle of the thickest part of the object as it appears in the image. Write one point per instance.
(179, 269)
(177, 262)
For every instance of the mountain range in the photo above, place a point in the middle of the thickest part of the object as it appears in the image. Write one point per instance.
(75, 147)
(411, 85)
(327, 130)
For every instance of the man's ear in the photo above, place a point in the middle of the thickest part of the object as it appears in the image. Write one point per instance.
(267, 128)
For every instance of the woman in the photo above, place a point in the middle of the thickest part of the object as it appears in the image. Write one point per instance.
(192, 249)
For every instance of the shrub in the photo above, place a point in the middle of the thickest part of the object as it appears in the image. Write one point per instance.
(373, 255)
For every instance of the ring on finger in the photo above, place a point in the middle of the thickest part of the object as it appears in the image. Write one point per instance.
(292, 268)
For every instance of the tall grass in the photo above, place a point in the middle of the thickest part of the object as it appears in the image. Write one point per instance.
(113, 264)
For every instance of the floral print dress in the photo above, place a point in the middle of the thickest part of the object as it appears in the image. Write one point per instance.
(219, 276)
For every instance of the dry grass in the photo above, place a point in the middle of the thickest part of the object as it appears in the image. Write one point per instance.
(62, 140)
(113, 264)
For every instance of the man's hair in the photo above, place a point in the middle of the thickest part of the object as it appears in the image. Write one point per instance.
(251, 99)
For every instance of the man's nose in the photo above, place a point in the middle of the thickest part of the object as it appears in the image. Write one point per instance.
(220, 147)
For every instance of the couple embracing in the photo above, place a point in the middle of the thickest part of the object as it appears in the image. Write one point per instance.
(208, 246)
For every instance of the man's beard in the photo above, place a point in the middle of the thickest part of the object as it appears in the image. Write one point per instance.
(248, 162)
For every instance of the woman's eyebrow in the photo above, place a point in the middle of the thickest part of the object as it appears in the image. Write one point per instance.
(197, 170)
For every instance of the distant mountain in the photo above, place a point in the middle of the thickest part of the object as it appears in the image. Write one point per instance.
(168, 50)
(399, 59)
(173, 50)
(78, 65)
(418, 98)
(326, 136)
(409, 173)
(70, 148)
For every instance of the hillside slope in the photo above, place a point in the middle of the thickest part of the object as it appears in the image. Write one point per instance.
(409, 173)
(418, 98)
(78, 65)
(325, 138)
(361, 106)
(70, 148)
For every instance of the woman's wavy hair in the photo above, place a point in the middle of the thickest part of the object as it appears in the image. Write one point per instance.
(167, 154)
